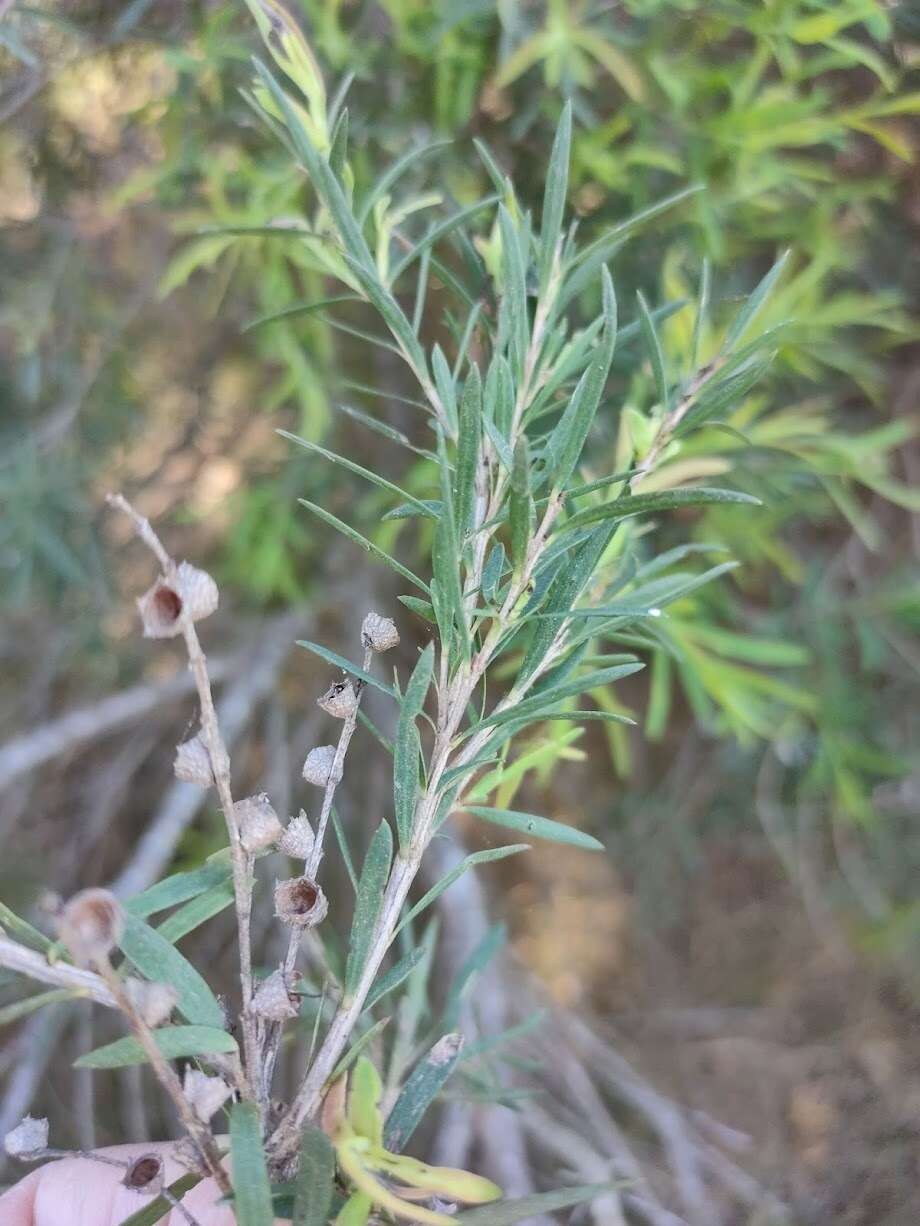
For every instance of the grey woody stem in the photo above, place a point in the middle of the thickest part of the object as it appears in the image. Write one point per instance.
(220, 765)
(199, 1132)
(273, 1035)
(16, 957)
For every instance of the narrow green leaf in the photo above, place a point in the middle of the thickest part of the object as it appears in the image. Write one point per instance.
(196, 912)
(366, 473)
(154, 1211)
(520, 504)
(381, 427)
(445, 384)
(646, 504)
(252, 1202)
(539, 827)
(408, 510)
(508, 1212)
(445, 560)
(358, 1047)
(561, 595)
(470, 861)
(399, 167)
(470, 421)
(557, 182)
(422, 1087)
(623, 228)
(655, 353)
(754, 304)
(702, 313)
(493, 571)
(22, 930)
(332, 657)
(374, 550)
(297, 309)
(178, 888)
(568, 437)
(722, 394)
(315, 1182)
(174, 1042)
(514, 297)
(422, 607)
(368, 902)
(406, 747)
(394, 977)
(160, 962)
(22, 1008)
(320, 172)
(338, 152)
(437, 232)
(541, 702)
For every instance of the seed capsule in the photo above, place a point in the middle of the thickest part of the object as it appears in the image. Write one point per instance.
(319, 765)
(300, 902)
(258, 823)
(190, 592)
(28, 1139)
(90, 925)
(153, 1001)
(298, 838)
(205, 1094)
(273, 999)
(340, 700)
(193, 762)
(379, 633)
(145, 1174)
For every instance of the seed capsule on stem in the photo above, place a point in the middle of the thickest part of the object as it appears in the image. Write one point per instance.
(298, 838)
(190, 592)
(192, 763)
(258, 823)
(300, 902)
(340, 700)
(91, 925)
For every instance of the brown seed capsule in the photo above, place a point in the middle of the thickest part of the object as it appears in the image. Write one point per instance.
(28, 1139)
(298, 838)
(379, 633)
(205, 1094)
(258, 823)
(274, 1001)
(300, 902)
(145, 1174)
(340, 700)
(192, 763)
(153, 1001)
(319, 766)
(90, 925)
(191, 593)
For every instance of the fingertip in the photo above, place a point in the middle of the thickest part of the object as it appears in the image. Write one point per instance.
(17, 1206)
